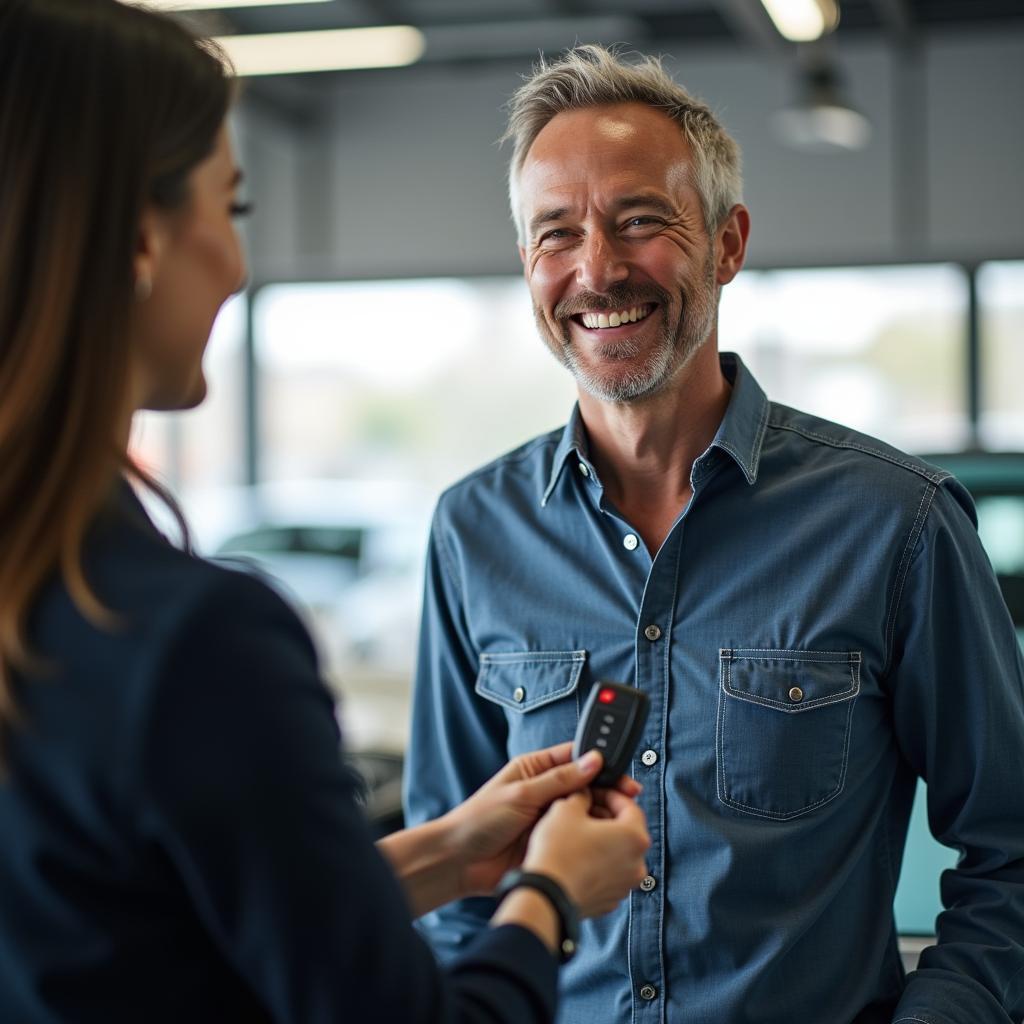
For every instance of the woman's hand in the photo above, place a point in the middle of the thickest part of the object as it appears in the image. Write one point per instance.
(596, 857)
(489, 831)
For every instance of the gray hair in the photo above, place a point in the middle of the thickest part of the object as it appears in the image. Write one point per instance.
(592, 76)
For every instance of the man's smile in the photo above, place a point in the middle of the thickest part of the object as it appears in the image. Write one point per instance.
(615, 318)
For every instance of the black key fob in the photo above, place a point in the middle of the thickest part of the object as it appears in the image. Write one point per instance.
(611, 722)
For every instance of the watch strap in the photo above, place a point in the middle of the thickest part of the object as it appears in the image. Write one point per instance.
(564, 908)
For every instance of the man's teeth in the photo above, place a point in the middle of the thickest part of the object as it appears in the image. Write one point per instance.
(616, 319)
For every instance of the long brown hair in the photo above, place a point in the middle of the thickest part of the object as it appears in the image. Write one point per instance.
(104, 109)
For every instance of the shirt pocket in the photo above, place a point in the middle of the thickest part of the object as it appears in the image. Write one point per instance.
(538, 690)
(783, 735)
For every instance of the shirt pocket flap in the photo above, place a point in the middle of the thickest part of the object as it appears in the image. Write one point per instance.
(524, 680)
(790, 681)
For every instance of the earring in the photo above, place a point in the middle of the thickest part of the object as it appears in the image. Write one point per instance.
(143, 288)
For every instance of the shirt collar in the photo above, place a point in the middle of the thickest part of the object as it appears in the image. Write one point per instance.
(573, 443)
(740, 435)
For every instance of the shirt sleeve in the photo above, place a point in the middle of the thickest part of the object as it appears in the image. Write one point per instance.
(457, 741)
(958, 692)
(242, 787)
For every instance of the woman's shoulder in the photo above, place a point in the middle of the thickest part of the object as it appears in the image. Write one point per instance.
(165, 590)
(155, 598)
(139, 573)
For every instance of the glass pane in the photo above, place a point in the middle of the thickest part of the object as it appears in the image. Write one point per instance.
(1001, 304)
(880, 349)
(414, 380)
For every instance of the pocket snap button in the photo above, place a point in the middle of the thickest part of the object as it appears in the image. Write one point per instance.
(796, 694)
(519, 695)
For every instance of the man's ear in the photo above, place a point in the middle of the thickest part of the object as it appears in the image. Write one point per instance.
(522, 258)
(731, 244)
(149, 247)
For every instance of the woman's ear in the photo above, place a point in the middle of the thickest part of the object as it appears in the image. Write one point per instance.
(149, 246)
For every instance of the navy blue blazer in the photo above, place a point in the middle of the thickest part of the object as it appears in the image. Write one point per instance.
(179, 837)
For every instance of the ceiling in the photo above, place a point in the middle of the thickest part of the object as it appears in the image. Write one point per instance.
(461, 33)
(474, 23)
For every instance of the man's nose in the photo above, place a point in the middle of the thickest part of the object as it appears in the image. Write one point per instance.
(601, 263)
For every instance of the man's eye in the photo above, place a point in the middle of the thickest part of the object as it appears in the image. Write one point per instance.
(642, 222)
(556, 238)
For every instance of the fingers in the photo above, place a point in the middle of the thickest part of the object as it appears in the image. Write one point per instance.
(562, 780)
(537, 762)
(561, 753)
(620, 805)
(572, 806)
(580, 802)
(628, 785)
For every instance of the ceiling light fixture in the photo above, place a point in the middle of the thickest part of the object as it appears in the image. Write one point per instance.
(802, 21)
(342, 49)
(822, 121)
(215, 5)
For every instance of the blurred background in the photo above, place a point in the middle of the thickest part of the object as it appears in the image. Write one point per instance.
(385, 345)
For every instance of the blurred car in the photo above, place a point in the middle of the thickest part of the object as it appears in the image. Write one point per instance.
(381, 772)
(348, 555)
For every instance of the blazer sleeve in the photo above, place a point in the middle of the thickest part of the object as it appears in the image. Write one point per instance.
(240, 782)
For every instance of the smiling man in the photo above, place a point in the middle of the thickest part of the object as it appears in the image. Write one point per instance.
(808, 610)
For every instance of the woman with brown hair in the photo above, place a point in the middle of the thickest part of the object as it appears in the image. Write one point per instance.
(179, 839)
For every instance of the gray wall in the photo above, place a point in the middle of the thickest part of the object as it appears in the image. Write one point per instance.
(393, 174)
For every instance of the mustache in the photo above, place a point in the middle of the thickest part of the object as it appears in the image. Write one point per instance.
(621, 296)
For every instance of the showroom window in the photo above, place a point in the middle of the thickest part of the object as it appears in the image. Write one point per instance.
(880, 349)
(1001, 328)
(418, 380)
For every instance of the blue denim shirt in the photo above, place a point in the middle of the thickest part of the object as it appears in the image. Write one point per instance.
(820, 627)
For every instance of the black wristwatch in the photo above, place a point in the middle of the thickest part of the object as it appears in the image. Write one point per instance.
(568, 916)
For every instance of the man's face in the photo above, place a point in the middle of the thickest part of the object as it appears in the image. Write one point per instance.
(619, 263)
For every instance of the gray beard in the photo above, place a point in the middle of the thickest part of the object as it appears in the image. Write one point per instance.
(674, 348)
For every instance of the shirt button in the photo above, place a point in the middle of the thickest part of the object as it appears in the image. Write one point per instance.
(630, 542)
(796, 695)
(584, 470)
(649, 757)
(648, 884)
(652, 632)
(648, 992)
(519, 695)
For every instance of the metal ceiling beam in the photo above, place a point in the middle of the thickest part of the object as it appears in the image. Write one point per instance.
(750, 21)
(502, 39)
(896, 17)
(381, 12)
(567, 7)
